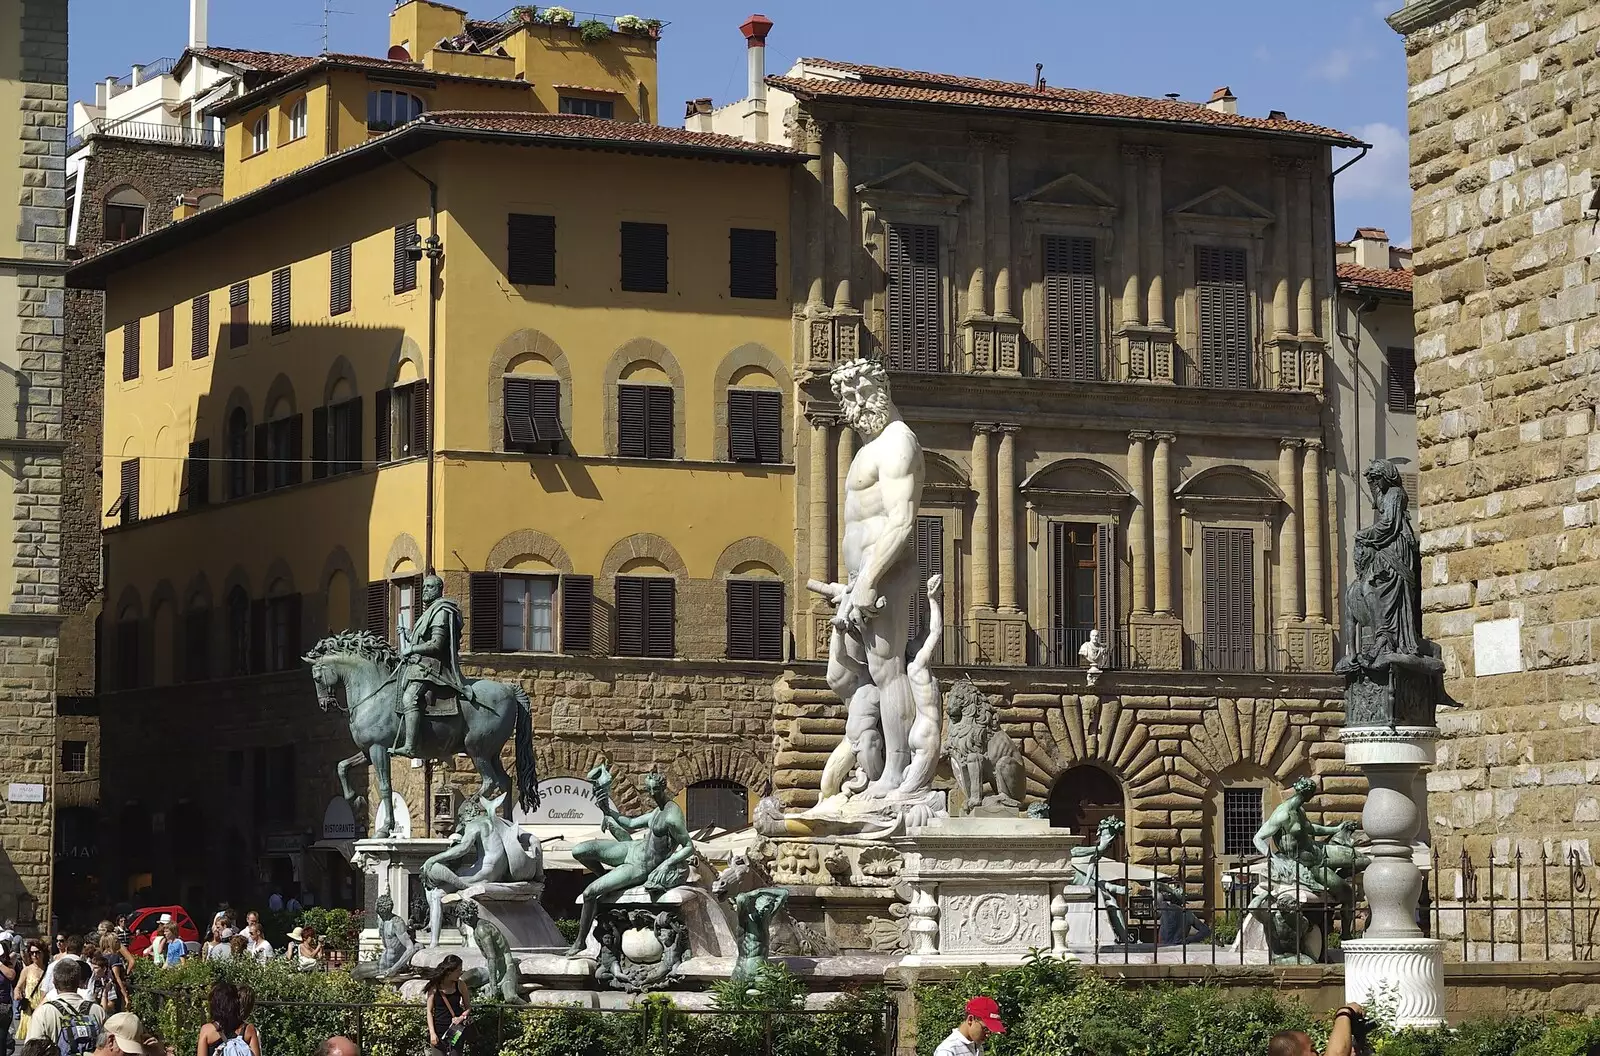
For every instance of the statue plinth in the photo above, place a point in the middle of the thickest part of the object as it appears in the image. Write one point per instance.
(1393, 689)
(396, 865)
(514, 908)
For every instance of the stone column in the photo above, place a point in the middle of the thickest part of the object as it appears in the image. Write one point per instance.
(1311, 490)
(1289, 598)
(1282, 323)
(1129, 249)
(1138, 523)
(977, 243)
(820, 545)
(840, 256)
(846, 453)
(982, 542)
(1000, 223)
(1305, 310)
(1154, 241)
(1006, 521)
(816, 236)
(1161, 520)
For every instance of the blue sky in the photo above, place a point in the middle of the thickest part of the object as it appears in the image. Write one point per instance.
(1333, 62)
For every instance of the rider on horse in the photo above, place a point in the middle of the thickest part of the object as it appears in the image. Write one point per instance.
(430, 660)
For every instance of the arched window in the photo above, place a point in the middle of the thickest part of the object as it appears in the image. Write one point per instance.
(238, 453)
(297, 120)
(723, 804)
(283, 627)
(238, 632)
(124, 215)
(387, 109)
(128, 669)
(1082, 797)
(284, 444)
(258, 135)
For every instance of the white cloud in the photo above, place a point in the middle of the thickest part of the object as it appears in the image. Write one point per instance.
(1379, 185)
(1335, 65)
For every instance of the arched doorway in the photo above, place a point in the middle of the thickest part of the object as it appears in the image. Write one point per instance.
(1084, 795)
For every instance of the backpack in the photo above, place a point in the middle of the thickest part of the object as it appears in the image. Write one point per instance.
(78, 1032)
(234, 1046)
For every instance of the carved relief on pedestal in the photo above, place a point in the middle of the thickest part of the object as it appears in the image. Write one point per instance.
(1157, 643)
(995, 920)
(1311, 366)
(1010, 351)
(1288, 366)
(845, 339)
(1000, 638)
(819, 346)
(1149, 355)
(981, 339)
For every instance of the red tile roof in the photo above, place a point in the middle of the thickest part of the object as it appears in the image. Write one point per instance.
(338, 61)
(1398, 279)
(266, 61)
(885, 84)
(599, 130)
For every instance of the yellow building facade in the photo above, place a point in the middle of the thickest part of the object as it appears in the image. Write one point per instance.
(544, 355)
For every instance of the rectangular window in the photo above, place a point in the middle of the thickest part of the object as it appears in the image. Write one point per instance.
(130, 490)
(405, 265)
(755, 619)
(283, 632)
(528, 614)
(344, 437)
(913, 299)
(644, 421)
(645, 616)
(200, 327)
(1082, 588)
(570, 104)
(280, 301)
(127, 668)
(531, 408)
(284, 450)
(930, 562)
(1241, 819)
(753, 263)
(1071, 310)
(531, 249)
(74, 757)
(402, 421)
(1227, 558)
(339, 280)
(405, 602)
(1223, 302)
(164, 339)
(644, 257)
(197, 645)
(1400, 376)
(130, 350)
(239, 314)
(197, 474)
(122, 222)
(755, 425)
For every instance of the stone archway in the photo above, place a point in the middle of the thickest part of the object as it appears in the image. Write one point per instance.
(1085, 795)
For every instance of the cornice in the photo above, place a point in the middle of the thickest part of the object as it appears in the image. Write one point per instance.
(1421, 14)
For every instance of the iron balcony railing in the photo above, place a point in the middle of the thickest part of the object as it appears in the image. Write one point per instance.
(1060, 646)
(146, 132)
(155, 68)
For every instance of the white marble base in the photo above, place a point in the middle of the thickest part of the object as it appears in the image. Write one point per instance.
(394, 861)
(1414, 967)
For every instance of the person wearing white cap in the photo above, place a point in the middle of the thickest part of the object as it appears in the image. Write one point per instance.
(121, 1033)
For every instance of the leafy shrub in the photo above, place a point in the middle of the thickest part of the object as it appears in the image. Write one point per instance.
(339, 928)
(593, 31)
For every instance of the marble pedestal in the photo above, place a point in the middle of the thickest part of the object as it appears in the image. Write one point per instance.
(396, 864)
(987, 890)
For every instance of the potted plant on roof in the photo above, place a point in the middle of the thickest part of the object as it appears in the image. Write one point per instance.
(557, 16)
(525, 13)
(635, 26)
(593, 31)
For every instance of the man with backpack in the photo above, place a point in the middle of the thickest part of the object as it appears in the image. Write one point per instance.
(70, 1020)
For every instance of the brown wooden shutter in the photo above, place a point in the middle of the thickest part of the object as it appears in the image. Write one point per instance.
(517, 413)
(378, 609)
(742, 426)
(239, 314)
(197, 474)
(632, 427)
(1071, 315)
(531, 249)
(741, 619)
(546, 403)
(644, 257)
(1400, 376)
(1105, 583)
(1228, 571)
(130, 350)
(658, 434)
(319, 442)
(752, 263)
(483, 612)
(200, 327)
(295, 470)
(769, 619)
(930, 561)
(913, 299)
(405, 268)
(164, 339)
(769, 427)
(1224, 309)
(263, 475)
(339, 280)
(630, 616)
(577, 613)
(353, 436)
(382, 426)
(258, 636)
(130, 490)
(421, 430)
(660, 616)
(280, 301)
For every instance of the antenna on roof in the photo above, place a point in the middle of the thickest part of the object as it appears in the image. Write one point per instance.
(1038, 76)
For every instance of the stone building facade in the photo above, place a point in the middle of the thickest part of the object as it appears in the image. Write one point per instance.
(33, 108)
(1503, 105)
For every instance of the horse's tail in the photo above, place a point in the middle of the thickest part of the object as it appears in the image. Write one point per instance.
(527, 765)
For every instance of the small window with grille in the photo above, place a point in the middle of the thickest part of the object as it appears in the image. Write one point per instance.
(716, 803)
(1241, 820)
(74, 757)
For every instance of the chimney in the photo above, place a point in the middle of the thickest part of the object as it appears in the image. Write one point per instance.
(197, 23)
(111, 88)
(697, 114)
(138, 76)
(755, 30)
(1371, 246)
(100, 92)
(1223, 101)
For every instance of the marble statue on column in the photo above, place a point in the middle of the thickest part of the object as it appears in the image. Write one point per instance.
(891, 744)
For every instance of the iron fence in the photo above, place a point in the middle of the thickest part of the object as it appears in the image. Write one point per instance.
(1516, 907)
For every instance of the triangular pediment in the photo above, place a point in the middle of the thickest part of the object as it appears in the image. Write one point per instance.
(1070, 189)
(915, 178)
(1224, 203)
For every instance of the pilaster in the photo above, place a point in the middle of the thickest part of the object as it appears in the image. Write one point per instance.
(982, 537)
(819, 544)
(1001, 635)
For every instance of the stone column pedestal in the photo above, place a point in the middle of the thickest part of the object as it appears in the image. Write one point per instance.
(1393, 953)
(1157, 643)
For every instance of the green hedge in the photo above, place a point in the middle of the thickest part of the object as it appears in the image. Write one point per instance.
(1056, 1009)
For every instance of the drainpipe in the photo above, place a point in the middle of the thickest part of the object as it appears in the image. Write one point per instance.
(432, 248)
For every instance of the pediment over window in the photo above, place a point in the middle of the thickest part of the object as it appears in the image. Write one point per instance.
(941, 472)
(1229, 483)
(1225, 204)
(1080, 476)
(1068, 190)
(913, 179)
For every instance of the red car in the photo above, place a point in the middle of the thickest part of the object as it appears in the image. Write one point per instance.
(144, 922)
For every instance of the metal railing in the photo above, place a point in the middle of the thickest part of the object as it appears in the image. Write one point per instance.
(1515, 908)
(146, 132)
(1059, 647)
(155, 68)
(1236, 654)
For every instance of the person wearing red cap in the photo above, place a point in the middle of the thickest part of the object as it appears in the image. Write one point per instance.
(982, 1019)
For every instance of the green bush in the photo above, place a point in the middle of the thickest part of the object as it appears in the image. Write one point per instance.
(339, 928)
(593, 31)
